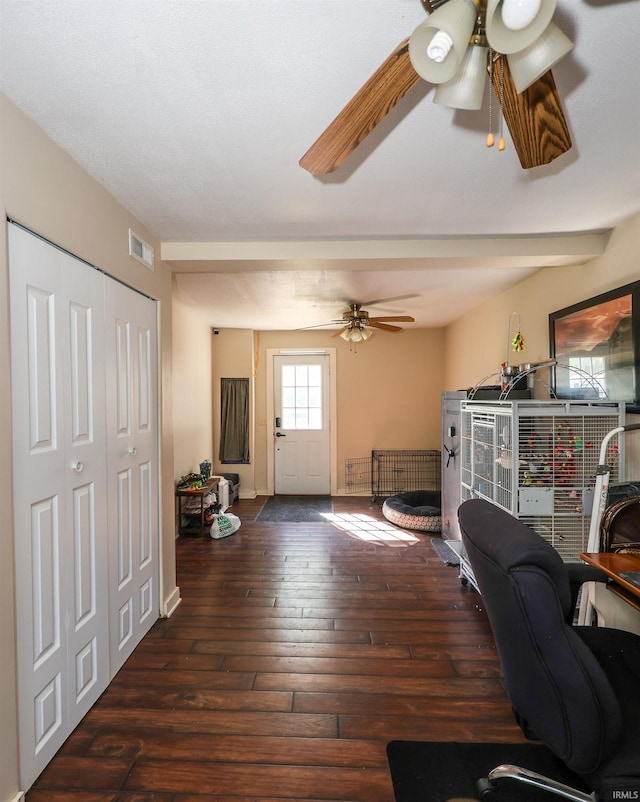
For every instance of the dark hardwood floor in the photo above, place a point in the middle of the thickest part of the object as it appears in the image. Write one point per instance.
(298, 652)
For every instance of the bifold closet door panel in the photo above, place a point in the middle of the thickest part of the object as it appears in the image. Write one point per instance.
(60, 505)
(132, 467)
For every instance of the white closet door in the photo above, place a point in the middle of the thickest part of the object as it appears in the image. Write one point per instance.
(132, 465)
(57, 355)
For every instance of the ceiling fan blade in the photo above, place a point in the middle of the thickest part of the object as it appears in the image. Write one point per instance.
(389, 300)
(371, 104)
(375, 325)
(318, 326)
(534, 117)
(393, 318)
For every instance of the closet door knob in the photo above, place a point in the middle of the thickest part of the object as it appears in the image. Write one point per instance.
(78, 467)
(133, 451)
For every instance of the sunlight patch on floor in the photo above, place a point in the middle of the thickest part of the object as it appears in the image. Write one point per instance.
(364, 527)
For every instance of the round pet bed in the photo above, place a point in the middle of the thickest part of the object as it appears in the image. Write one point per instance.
(420, 509)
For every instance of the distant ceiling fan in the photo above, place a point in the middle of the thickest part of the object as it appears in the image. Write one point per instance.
(456, 47)
(357, 323)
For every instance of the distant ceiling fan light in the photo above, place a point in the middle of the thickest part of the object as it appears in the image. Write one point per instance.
(366, 333)
(507, 40)
(437, 46)
(531, 63)
(466, 89)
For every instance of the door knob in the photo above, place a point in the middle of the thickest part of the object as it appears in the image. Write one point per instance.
(78, 467)
(133, 451)
(279, 434)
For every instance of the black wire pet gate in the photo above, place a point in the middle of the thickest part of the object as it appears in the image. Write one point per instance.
(390, 471)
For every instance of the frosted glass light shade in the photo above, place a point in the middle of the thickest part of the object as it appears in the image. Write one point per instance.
(517, 14)
(531, 63)
(466, 89)
(504, 39)
(356, 334)
(457, 19)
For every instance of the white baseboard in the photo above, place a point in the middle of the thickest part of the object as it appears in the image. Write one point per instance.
(171, 604)
(19, 797)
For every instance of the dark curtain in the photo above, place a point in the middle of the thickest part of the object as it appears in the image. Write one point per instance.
(234, 420)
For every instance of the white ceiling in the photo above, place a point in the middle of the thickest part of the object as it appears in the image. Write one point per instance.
(194, 114)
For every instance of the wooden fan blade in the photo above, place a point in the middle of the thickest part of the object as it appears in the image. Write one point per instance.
(375, 325)
(395, 318)
(534, 117)
(371, 104)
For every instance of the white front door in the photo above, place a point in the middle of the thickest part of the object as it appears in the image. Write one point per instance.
(132, 465)
(60, 508)
(301, 427)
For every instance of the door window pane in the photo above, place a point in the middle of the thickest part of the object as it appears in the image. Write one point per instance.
(301, 396)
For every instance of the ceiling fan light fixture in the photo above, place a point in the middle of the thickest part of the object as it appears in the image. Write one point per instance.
(466, 89)
(508, 40)
(445, 35)
(355, 334)
(529, 64)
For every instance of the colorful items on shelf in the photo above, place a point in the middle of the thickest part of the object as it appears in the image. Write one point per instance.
(191, 481)
(558, 465)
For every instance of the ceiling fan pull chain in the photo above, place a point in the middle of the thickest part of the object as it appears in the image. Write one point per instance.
(501, 142)
(490, 137)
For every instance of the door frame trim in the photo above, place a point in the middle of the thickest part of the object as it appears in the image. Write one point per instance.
(333, 406)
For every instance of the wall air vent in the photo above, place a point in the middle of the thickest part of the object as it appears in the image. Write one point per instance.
(140, 250)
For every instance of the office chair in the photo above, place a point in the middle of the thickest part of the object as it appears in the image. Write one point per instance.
(577, 689)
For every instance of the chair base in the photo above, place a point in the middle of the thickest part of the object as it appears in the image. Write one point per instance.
(487, 787)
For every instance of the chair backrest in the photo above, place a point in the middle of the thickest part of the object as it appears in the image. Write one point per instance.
(553, 679)
(620, 526)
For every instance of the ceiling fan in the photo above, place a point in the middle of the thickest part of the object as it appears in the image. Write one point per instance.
(514, 42)
(357, 323)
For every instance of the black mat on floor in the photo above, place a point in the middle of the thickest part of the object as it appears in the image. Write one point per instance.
(295, 508)
(424, 771)
(444, 551)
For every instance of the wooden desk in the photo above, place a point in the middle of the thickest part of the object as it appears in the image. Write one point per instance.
(613, 565)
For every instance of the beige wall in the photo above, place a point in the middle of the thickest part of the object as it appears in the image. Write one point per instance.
(192, 420)
(42, 188)
(477, 343)
(388, 393)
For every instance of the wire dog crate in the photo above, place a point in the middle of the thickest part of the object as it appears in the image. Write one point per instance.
(391, 471)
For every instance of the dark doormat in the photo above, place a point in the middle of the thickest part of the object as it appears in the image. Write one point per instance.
(423, 771)
(303, 509)
(444, 551)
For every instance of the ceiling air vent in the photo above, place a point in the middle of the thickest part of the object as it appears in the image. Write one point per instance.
(140, 250)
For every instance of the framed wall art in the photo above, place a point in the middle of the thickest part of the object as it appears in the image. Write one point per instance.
(597, 347)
